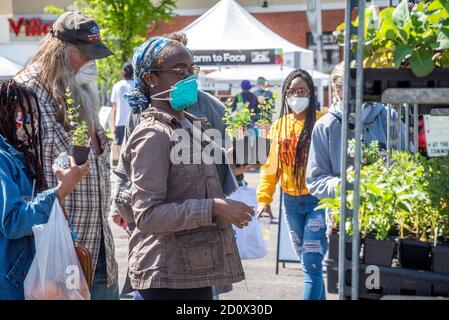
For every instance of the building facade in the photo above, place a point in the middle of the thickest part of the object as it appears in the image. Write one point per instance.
(288, 18)
(23, 23)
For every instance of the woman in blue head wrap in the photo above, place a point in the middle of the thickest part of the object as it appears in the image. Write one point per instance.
(183, 243)
(159, 65)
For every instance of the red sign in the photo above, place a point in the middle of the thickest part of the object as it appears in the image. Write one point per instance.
(34, 27)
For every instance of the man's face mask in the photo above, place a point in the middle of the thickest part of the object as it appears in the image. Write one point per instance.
(182, 95)
(87, 73)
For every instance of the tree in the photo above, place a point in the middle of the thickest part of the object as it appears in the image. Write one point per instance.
(124, 25)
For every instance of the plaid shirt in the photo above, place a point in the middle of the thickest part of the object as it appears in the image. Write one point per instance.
(88, 205)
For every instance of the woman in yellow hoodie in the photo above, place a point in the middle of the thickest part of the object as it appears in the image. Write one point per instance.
(291, 135)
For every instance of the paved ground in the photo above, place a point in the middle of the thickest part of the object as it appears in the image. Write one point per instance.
(261, 279)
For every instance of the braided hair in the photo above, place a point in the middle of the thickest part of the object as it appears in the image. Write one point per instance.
(303, 146)
(13, 96)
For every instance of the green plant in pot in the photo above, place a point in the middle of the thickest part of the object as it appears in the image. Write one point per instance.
(238, 124)
(263, 125)
(438, 190)
(79, 130)
(415, 38)
(413, 210)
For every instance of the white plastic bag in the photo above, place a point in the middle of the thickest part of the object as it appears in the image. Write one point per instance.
(55, 273)
(249, 240)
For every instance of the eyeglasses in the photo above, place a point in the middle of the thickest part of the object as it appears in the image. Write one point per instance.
(182, 73)
(302, 92)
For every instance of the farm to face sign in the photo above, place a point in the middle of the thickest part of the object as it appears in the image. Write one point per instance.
(236, 57)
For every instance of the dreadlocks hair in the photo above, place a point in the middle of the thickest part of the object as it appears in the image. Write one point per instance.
(13, 96)
(303, 146)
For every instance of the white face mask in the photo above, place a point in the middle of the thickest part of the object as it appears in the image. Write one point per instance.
(87, 73)
(298, 104)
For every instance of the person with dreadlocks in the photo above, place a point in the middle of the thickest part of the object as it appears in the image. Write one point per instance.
(25, 199)
(287, 161)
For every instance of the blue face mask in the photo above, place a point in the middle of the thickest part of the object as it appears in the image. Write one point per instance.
(182, 95)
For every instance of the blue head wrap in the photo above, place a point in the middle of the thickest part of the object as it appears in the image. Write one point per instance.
(143, 58)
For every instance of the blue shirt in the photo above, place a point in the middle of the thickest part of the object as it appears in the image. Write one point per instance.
(17, 218)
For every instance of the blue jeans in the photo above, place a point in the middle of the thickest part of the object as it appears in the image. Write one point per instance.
(308, 234)
(100, 289)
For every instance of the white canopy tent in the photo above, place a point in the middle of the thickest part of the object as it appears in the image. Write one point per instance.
(8, 68)
(228, 26)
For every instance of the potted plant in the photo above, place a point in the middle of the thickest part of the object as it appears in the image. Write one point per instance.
(334, 205)
(238, 124)
(262, 126)
(79, 149)
(413, 210)
(439, 196)
(377, 216)
(376, 212)
(406, 46)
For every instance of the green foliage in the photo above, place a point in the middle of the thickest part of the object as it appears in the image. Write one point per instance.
(123, 26)
(53, 10)
(267, 110)
(401, 37)
(410, 198)
(79, 129)
(237, 120)
(370, 153)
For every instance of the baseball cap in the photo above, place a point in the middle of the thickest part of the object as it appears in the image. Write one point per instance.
(82, 32)
(261, 81)
(245, 85)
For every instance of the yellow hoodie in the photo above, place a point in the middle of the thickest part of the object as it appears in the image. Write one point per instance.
(283, 150)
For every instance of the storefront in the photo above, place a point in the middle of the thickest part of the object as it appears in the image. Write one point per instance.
(22, 25)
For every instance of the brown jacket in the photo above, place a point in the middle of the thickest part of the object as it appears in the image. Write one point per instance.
(177, 242)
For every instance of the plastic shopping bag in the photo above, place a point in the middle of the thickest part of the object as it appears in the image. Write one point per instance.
(55, 273)
(249, 240)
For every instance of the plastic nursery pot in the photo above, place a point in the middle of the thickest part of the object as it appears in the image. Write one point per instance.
(440, 259)
(378, 252)
(334, 246)
(414, 254)
(80, 154)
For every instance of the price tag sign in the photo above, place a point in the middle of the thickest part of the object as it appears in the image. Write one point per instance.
(437, 135)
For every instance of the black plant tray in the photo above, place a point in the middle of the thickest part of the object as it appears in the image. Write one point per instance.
(393, 281)
(376, 81)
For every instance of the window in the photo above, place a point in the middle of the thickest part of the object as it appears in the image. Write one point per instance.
(331, 54)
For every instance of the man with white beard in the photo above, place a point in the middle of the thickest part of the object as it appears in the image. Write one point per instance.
(66, 59)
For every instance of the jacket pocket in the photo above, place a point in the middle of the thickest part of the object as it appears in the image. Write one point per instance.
(200, 250)
(19, 270)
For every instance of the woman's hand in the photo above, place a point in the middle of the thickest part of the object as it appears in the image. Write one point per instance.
(118, 220)
(265, 208)
(69, 179)
(235, 212)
